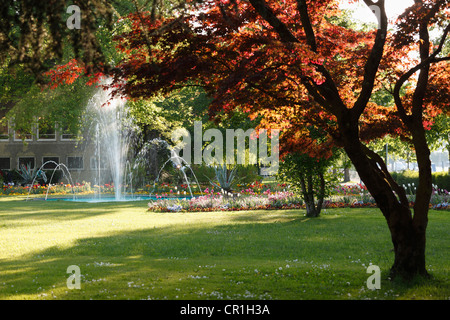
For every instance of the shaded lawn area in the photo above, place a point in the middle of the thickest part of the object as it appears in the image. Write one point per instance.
(126, 252)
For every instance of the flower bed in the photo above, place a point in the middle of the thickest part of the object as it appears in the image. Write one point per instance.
(255, 196)
(56, 189)
(354, 189)
(237, 202)
(228, 202)
(247, 196)
(221, 203)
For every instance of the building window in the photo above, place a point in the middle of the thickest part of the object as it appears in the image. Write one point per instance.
(46, 130)
(50, 165)
(67, 134)
(75, 162)
(28, 162)
(5, 163)
(23, 134)
(4, 132)
(95, 163)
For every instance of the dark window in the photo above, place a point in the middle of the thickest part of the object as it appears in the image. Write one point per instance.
(68, 133)
(50, 165)
(19, 135)
(24, 133)
(27, 162)
(4, 133)
(75, 162)
(5, 163)
(46, 130)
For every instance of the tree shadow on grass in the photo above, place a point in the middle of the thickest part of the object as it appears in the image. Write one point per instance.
(135, 264)
(57, 210)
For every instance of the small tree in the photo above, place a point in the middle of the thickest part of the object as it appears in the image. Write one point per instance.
(310, 177)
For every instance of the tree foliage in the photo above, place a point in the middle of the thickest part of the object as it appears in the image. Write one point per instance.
(310, 177)
(35, 33)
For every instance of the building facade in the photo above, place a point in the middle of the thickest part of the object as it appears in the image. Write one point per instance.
(45, 147)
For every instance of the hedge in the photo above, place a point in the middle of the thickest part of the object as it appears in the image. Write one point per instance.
(441, 179)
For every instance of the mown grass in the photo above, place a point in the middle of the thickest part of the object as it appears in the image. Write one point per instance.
(126, 252)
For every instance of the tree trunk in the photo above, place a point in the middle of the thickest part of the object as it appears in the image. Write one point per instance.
(407, 232)
(409, 245)
(307, 184)
(311, 210)
(346, 174)
(448, 149)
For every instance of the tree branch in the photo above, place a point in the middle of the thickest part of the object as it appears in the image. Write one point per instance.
(378, 161)
(400, 82)
(373, 62)
(326, 94)
(267, 14)
(307, 27)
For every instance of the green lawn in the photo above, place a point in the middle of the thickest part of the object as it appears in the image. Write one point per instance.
(126, 252)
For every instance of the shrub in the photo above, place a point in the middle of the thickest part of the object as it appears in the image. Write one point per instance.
(441, 179)
(203, 173)
(224, 177)
(244, 174)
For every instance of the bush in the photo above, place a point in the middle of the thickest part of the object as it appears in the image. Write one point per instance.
(244, 174)
(11, 176)
(57, 176)
(405, 177)
(441, 179)
(203, 173)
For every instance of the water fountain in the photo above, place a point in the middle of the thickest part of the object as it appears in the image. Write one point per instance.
(58, 166)
(111, 132)
(128, 178)
(180, 164)
(114, 132)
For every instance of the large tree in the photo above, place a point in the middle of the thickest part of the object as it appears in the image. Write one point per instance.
(35, 37)
(290, 63)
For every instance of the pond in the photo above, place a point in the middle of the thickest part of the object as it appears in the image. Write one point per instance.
(94, 199)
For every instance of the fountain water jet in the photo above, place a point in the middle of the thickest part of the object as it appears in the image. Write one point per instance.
(178, 162)
(58, 166)
(114, 131)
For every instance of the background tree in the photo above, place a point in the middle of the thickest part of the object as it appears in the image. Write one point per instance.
(34, 34)
(395, 147)
(439, 134)
(34, 38)
(310, 177)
